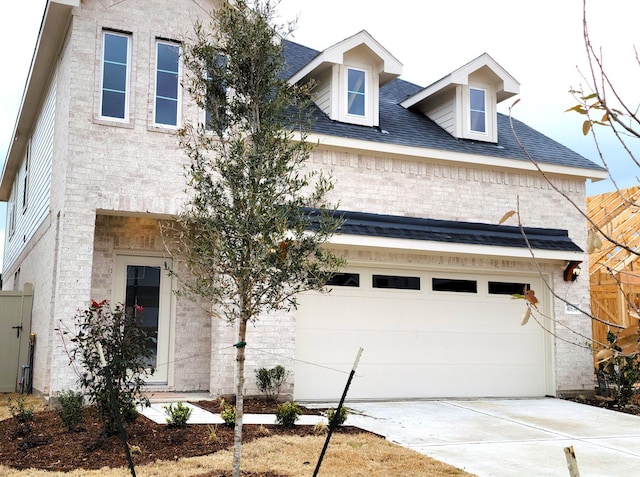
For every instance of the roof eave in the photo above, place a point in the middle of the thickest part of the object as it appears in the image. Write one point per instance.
(392, 68)
(509, 88)
(53, 27)
(427, 246)
(389, 149)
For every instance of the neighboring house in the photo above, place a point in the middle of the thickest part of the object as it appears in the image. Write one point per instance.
(424, 176)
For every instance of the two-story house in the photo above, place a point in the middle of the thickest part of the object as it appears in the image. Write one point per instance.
(423, 174)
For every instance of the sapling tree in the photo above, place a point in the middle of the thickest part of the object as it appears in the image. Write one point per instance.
(250, 237)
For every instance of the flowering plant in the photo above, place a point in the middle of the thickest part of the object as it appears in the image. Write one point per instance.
(116, 336)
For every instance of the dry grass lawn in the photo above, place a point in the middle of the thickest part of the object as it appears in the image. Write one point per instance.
(352, 455)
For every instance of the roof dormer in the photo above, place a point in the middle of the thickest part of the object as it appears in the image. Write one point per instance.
(464, 103)
(348, 76)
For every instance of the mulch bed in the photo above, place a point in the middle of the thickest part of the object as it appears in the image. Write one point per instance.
(45, 444)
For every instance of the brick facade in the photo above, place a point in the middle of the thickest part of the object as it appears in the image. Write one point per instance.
(107, 176)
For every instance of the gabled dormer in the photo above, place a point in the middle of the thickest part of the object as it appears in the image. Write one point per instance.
(348, 76)
(464, 103)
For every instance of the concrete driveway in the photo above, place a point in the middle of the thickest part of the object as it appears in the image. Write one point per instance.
(509, 437)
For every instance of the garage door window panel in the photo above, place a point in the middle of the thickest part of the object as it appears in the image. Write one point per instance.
(344, 280)
(454, 285)
(396, 282)
(507, 288)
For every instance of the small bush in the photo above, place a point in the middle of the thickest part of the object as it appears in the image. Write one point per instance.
(337, 419)
(287, 414)
(228, 415)
(19, 410)
(269, 381)
(212, 433)
(178, 416)
(118, 387)
(622, 372)
(70, 412)
(320, 428)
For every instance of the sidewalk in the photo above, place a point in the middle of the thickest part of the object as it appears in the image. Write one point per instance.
(158, 415)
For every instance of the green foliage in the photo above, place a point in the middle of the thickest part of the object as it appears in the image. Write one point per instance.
(288, 413)
(269, 381)
(178, 415)
(71, 405)
(337, 419)
(250, 237)
(20, 410)
(244, 235)
(228, 415)
(622, 371)
(116, 388)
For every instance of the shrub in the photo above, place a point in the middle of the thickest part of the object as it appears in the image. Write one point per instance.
(20, 410)
(116, 388)
(212, 433)
(228, 415)
(178, 415)
(622, 372)
(269, 381)
(287, 414)
(70, 411)
(337, 419)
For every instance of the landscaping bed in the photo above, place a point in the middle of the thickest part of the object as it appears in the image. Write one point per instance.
(45, 444)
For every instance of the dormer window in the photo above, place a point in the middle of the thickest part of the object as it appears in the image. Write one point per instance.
(464, 103)
(477, 111)
(356, 100)
(347, 78)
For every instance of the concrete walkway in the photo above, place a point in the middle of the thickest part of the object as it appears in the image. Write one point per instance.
(156, 413)
(508, 438)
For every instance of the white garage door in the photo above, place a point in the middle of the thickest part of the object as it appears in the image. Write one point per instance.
(424, 334)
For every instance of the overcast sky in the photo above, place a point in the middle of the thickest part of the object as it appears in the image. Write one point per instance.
(538, 42)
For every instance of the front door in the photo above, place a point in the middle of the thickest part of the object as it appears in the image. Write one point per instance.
(142, 281)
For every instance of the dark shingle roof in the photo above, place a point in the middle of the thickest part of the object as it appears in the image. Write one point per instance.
(470, 233)
(403, 127)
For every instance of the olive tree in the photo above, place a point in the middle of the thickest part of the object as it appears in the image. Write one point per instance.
(251, 235)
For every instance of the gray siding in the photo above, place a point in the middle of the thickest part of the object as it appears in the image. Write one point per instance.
(323, 93)
(29, 218)
(443, 115)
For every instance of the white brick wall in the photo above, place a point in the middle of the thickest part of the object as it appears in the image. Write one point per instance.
(137, 168)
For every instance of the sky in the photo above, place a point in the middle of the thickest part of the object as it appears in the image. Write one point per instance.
(538, 42)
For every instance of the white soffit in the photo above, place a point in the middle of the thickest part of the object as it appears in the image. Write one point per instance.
(509, 86)
(368, 241)
(392, 68)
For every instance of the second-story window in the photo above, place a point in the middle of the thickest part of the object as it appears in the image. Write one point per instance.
(11, 208)
(115, 76)
(477, 111)
(356, 92)
(167, 84)
(25, 178)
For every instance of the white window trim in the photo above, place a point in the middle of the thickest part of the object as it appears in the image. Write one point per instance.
(26, 170)
(486, 113)
(127, 91)
(12, 208)
(369, 96)
(155, 86)
(366, 95)
(464, 125)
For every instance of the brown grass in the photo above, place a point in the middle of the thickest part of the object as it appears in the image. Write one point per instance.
(34, 402)
(352, 455)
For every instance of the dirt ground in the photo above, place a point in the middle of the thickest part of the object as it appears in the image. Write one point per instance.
(44, 447)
